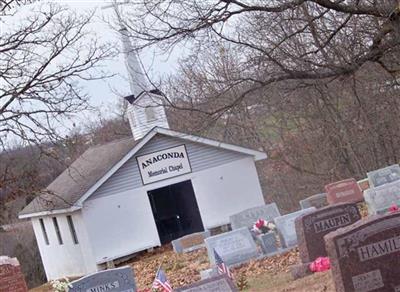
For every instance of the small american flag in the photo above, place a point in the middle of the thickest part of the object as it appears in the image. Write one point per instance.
(222, 268)
(161, 282)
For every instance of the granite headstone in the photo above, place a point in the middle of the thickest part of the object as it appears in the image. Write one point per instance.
(384, 175)
(317, 201)
(286, 228)
(113, 280)
(380, 199)
(216, 284)
(11, 277)
(312, 227)
(345, 191)
(247, 217)
(190, 242)
(234, 247)
(268, 243)
(365, 256)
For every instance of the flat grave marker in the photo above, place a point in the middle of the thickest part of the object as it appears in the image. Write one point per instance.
(380, 199)
(234, 247)
(286, 227)
(317, 201)
(215, 284)
(365, 256)
(384, 175)
(364, 184)
(312, 227)
(344, 191)
(248, 217)
(113, 280)
(11, 277)
(190, 242)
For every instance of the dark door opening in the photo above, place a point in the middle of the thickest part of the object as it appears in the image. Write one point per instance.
(175, 211)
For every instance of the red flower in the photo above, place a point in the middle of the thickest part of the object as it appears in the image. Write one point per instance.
(394, 208)
(321, 264)
(260, 223)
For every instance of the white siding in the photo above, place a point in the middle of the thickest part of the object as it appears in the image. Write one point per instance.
(68, 259)
(119, 225)
(136, 113)
(201, 157)
(225, 190)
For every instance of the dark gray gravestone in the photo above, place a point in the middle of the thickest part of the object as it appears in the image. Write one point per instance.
(286, 228)
(249, 216)
(380, 199)
(234, 247)
(216, 284)
(384, 175)
(317, 201)
(114, 280)
(365, 256)
(312, 227)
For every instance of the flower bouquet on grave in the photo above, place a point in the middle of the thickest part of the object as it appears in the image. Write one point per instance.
(263, 226)
(321, 264)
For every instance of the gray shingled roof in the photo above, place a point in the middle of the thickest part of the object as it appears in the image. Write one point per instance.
(80, 176)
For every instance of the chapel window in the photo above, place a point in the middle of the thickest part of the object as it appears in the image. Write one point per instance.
(46, 238)
(72, 229)
(57, 229)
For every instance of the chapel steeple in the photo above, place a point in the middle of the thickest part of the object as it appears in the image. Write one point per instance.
(146, 104)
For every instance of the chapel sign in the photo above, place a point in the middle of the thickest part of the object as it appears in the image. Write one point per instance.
(164, 164)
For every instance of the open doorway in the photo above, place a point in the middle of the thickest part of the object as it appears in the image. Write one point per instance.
(175, 211)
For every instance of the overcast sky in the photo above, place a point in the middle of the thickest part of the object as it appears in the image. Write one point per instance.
(102, 92)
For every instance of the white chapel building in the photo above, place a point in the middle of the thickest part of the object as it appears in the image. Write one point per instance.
(137, 193)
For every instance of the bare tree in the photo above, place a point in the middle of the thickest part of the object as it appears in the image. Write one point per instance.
(314, 83)
(280, 40)
(42, 59)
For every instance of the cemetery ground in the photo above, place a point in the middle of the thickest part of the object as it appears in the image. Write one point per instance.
(269, 274)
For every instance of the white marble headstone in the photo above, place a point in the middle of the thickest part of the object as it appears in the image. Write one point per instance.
(234, 247)
(381, 198)
(248, 217)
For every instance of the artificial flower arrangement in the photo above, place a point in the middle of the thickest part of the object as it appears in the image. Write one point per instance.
(394, 208)
(321, 264)
(263, 226)
(61, 286)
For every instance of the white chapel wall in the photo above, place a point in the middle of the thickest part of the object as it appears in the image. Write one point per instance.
(67, 259)
(227, 189)
(123, 223)
(119, 225)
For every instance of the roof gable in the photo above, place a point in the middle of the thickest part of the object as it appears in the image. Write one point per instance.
(201, 157)
(83, 173)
